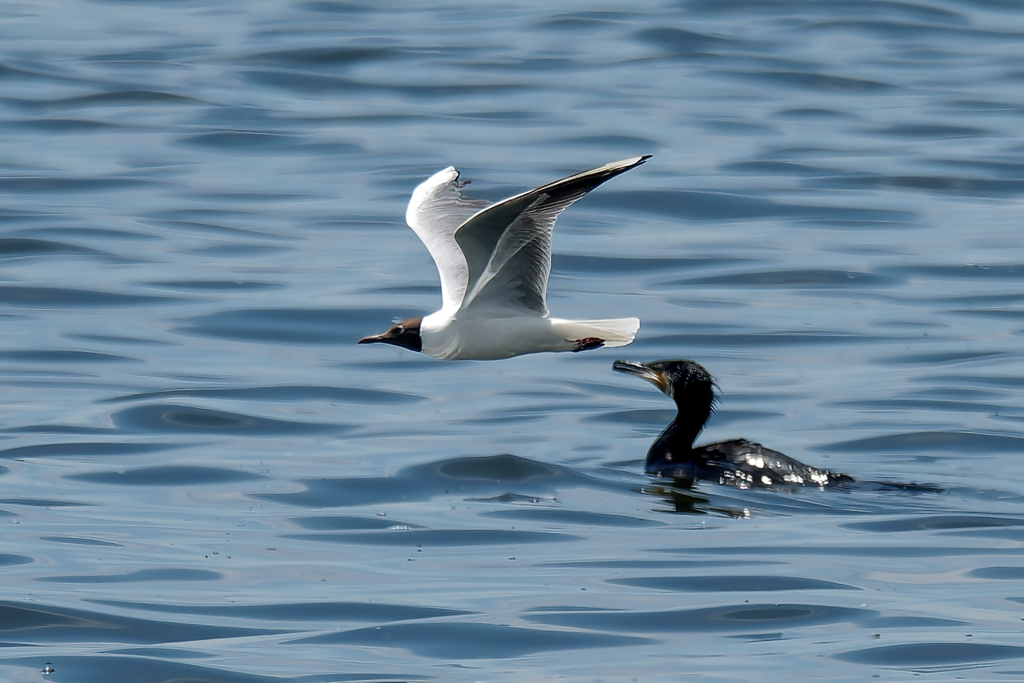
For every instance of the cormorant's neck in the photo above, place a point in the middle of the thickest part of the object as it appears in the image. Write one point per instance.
(675, 445)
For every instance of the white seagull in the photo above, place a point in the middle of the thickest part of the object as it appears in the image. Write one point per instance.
(494, 261)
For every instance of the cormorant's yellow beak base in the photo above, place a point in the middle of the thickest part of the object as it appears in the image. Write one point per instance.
(653, 375)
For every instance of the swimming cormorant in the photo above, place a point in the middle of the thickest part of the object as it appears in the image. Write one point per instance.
(738, 462)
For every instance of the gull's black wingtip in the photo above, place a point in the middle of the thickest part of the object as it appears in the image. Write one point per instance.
(641, 160)
(631, 162)
(636, 161)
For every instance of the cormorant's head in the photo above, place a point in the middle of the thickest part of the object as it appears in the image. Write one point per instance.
(684, 381)
(405, 333)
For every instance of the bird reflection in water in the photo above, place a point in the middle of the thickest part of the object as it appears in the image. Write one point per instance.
(682, 499)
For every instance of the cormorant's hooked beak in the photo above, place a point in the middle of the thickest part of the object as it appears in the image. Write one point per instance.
(655, 377)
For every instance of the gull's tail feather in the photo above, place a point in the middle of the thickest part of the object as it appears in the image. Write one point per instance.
(614, 332)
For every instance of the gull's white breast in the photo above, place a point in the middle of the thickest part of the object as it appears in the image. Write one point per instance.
(496, 338)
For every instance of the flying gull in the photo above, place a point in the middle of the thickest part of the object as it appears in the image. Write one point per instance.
(494, 261)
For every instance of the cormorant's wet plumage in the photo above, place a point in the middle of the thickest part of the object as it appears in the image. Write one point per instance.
(738, 462)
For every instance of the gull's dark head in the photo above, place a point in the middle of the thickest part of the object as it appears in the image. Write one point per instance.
(405, 333)
(684, 381)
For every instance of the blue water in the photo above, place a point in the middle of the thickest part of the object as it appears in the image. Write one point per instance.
(203, 477)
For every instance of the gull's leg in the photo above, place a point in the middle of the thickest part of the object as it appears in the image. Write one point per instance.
(587, 343)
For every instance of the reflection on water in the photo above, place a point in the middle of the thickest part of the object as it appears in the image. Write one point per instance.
(204, 478)
(681, 498)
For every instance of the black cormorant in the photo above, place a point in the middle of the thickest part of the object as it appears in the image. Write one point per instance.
(738, 462)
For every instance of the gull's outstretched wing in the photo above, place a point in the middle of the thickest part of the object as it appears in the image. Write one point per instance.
(435, 212)
(507, 246)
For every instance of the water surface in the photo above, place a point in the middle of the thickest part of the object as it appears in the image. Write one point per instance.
(202, 477)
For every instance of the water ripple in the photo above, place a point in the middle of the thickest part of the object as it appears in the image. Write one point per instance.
(296, 612)
(53, 624)
(480, 476)
(744, 617)
(730, 584)
(277, 394)
(454, 640)
(58, 298)
(166, 475)
(934, 656)
(168, 418)
(163, 574)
